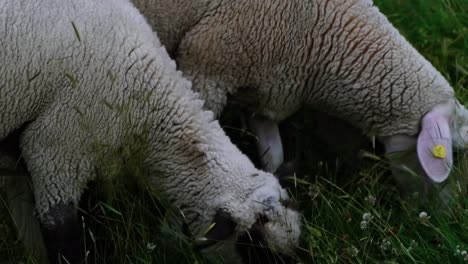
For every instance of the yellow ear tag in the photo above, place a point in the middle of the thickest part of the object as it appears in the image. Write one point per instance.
(439, 151)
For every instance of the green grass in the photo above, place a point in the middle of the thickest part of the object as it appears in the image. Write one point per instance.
(395, 234)
(338, 199)
(333, 196)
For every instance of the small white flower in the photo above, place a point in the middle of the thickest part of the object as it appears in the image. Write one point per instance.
(413, 244)
(364, 225)
(367, 217)
(424, 216)
(386, 245)
(150, 246)
(463, 253)
(353, 251)
(457, 251)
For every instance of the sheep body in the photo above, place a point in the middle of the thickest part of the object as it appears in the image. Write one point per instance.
(91, 78)
(286, 54)
(341, 57)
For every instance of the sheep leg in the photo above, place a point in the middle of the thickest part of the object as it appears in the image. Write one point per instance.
(269, 143)
(62, 235)
(60, 166)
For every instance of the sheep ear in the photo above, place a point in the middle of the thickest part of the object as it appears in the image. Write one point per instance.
(434, 146)
(224, 227)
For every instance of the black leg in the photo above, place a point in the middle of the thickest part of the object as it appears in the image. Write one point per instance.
(62, 234)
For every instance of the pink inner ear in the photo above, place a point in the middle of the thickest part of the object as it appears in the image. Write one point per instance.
(435, 131)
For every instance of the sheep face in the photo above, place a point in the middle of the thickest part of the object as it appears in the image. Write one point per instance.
(460, 127)
(275, 222)
(443, 128)
(264, 213)
(430, 152)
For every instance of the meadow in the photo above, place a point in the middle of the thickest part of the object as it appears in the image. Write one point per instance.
(352, 212)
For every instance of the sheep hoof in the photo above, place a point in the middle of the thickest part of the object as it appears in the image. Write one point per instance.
(62, 234)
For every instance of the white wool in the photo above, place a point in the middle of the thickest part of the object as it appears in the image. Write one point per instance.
(90, 77)
(273, 57)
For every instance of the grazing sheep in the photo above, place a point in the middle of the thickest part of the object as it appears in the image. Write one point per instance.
(340, 57)
(86, 79)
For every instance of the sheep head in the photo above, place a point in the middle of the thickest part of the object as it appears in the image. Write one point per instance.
(430, 153)
(446, 125)
(460, 127)
(266, 216)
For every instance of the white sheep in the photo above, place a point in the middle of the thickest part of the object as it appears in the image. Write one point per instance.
(340, 57)
(90, 78)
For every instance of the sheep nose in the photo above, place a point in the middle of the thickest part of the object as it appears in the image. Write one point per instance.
(252, 246)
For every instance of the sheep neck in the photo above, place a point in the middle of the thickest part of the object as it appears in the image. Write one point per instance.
(364, 71)
(171, 19)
